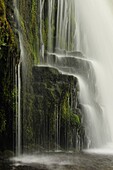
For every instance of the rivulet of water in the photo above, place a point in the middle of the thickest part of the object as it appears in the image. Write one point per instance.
(18, 91)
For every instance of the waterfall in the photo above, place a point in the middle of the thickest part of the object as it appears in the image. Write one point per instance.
(51, 15)
(18, 96)
(79, 43)
(65, 29)
(94, 20)
(87, 27)
(18, 86)
(41, 39)
(18, 115)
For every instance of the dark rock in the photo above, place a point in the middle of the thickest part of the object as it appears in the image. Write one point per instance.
(56, 115)
(8, 59)
(8, 154)
(74, 63)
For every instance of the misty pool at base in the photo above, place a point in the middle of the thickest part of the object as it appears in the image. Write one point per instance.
(60, 161)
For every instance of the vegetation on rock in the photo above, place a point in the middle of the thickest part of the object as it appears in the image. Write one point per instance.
(49, 117)
(8, 59)
(56, 119)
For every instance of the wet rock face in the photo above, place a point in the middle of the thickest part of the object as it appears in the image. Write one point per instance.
(56, 116)
(74, 62)
(9, 56)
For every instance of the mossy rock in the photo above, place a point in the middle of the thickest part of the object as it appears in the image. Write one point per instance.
(53, 93)
(8, 154)
(2, 121)
(2, 8)
(6, 34)
(9, 56)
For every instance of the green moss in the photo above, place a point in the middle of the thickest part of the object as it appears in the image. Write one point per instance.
(34, 32)
(6, 33)
(67, 113)
(75, 119)
(2, 121)
(22, 23)
(65, 106)
(33, 13)
(8, 59)
(30, 33)
(7, 36)
(2, 8)
(45, 32)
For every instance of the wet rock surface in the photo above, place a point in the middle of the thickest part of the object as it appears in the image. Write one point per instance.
(56, 113)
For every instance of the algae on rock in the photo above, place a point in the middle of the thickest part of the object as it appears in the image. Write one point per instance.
(9, 57)
(56, 119)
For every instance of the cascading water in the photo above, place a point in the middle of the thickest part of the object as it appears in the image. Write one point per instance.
(51, 15)
(18, 116)
(94, 20)
(87, 27)
(18, 76)
(18, 97)
(41, 39)
(81, 27)
(65, 30)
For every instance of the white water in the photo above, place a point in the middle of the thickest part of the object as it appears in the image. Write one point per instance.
(95, 23)
(18, 128)
(59, 56)
(18, 84)
(65, 24)
(41, 39)
(51, 14)
(18, 95)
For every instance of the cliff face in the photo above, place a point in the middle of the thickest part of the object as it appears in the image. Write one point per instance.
(8, 60)
(56, 114)
(29, 19)
(51, 116)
